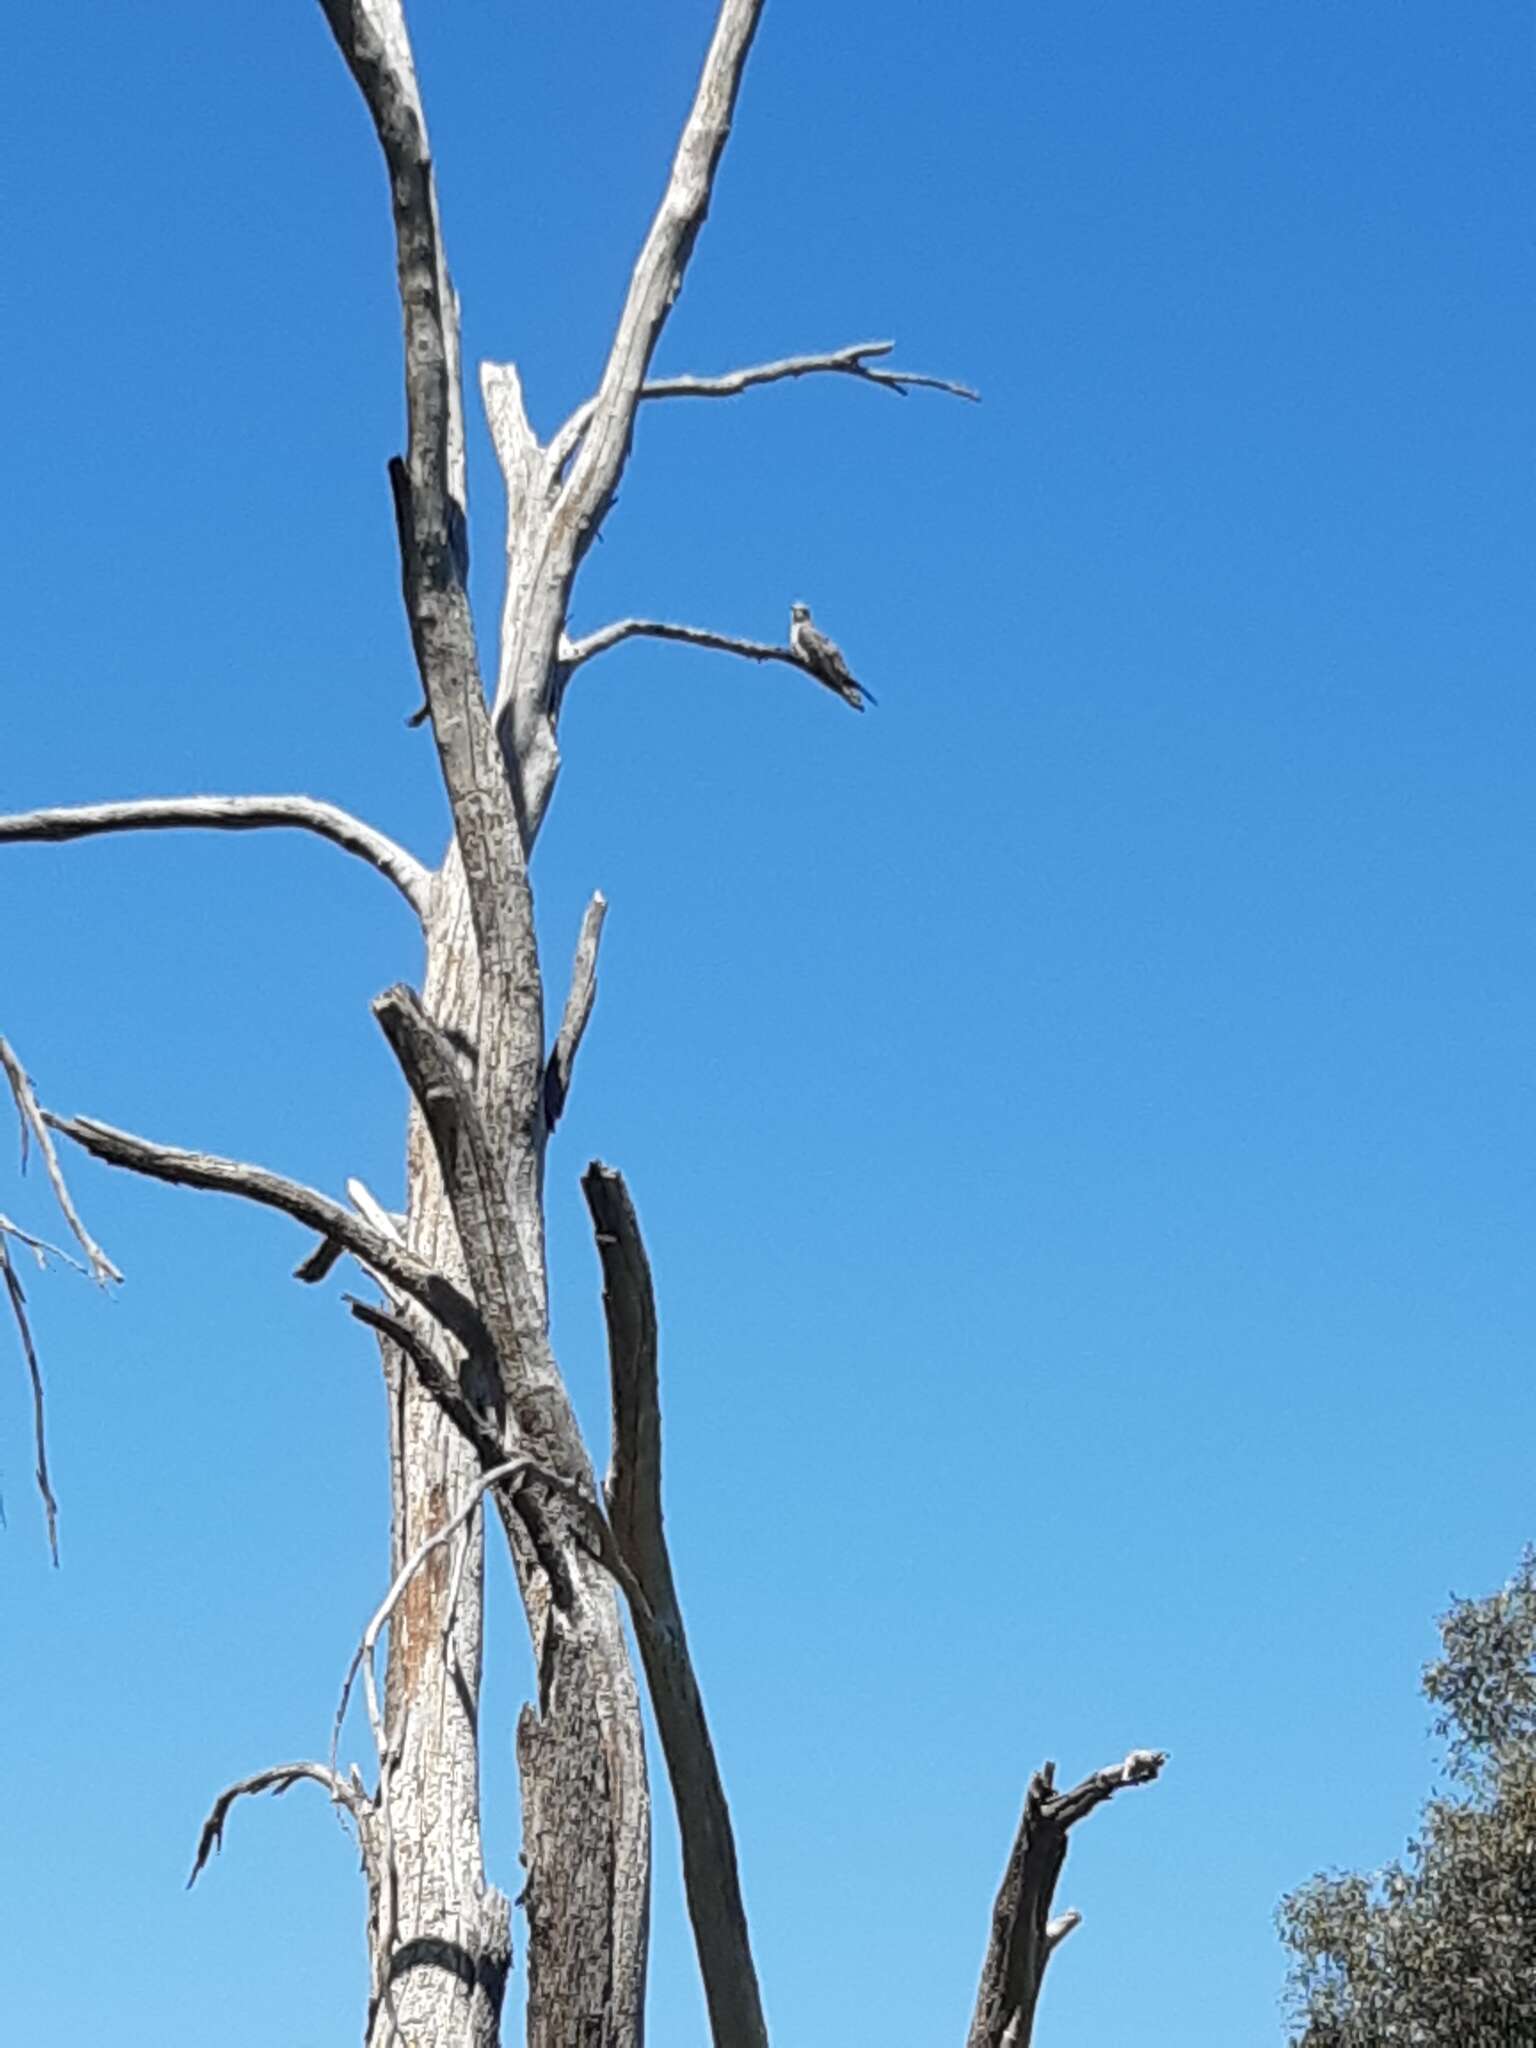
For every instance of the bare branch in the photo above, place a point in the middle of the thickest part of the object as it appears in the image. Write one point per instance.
(854, 361)
(659, 271)
(578, 1011)
(633, 1492)
(33, 1119)
(18, 1301)
(231, 814)
(427, 486)
(1024, 1936)
(575, 652)
(206, 1170)
(277, 1780)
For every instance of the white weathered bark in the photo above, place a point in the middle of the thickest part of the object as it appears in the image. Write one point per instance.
(230, 814)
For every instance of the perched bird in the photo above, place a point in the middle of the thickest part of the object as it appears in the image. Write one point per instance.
(824, 658)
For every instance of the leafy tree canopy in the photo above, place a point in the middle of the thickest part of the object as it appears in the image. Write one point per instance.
(1438, 1950)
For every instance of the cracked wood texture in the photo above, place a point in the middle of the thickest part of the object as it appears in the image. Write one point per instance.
(580, 1749)
(452, 1949)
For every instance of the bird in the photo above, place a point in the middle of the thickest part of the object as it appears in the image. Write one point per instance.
(824, 658)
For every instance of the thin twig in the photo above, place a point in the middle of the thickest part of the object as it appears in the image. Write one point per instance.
(852, 361)
(33, 1118)
(18, 1301)
(578, 1011)
(40, 1248)
(232, 814)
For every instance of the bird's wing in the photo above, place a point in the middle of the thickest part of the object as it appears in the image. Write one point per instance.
(824, 654)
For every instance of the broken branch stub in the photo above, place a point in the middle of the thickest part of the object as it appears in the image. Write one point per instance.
(1024, 1936)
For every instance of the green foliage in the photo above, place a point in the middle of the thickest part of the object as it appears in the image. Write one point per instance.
(1438, 1950)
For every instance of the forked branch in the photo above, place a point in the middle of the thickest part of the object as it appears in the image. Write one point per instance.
(633, 1492)
(1024, 1936)
(35, 1124)
(384, 1255)
(231, 814)
(859, 359)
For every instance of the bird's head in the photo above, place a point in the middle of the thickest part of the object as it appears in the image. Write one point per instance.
(799, 613)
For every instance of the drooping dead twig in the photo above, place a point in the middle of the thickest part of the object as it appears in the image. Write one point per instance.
(1024, 1936)
(231, 814)
(633, 1493)
(18, 1302)
(34, 1124)
(277, 1780)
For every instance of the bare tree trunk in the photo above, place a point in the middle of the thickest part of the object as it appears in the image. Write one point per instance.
(444, 1963)
(586, 1820)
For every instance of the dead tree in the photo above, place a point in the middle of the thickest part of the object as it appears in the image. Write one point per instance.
(477, 1408)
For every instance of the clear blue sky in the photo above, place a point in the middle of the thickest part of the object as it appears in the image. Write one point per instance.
(1082, 1113)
